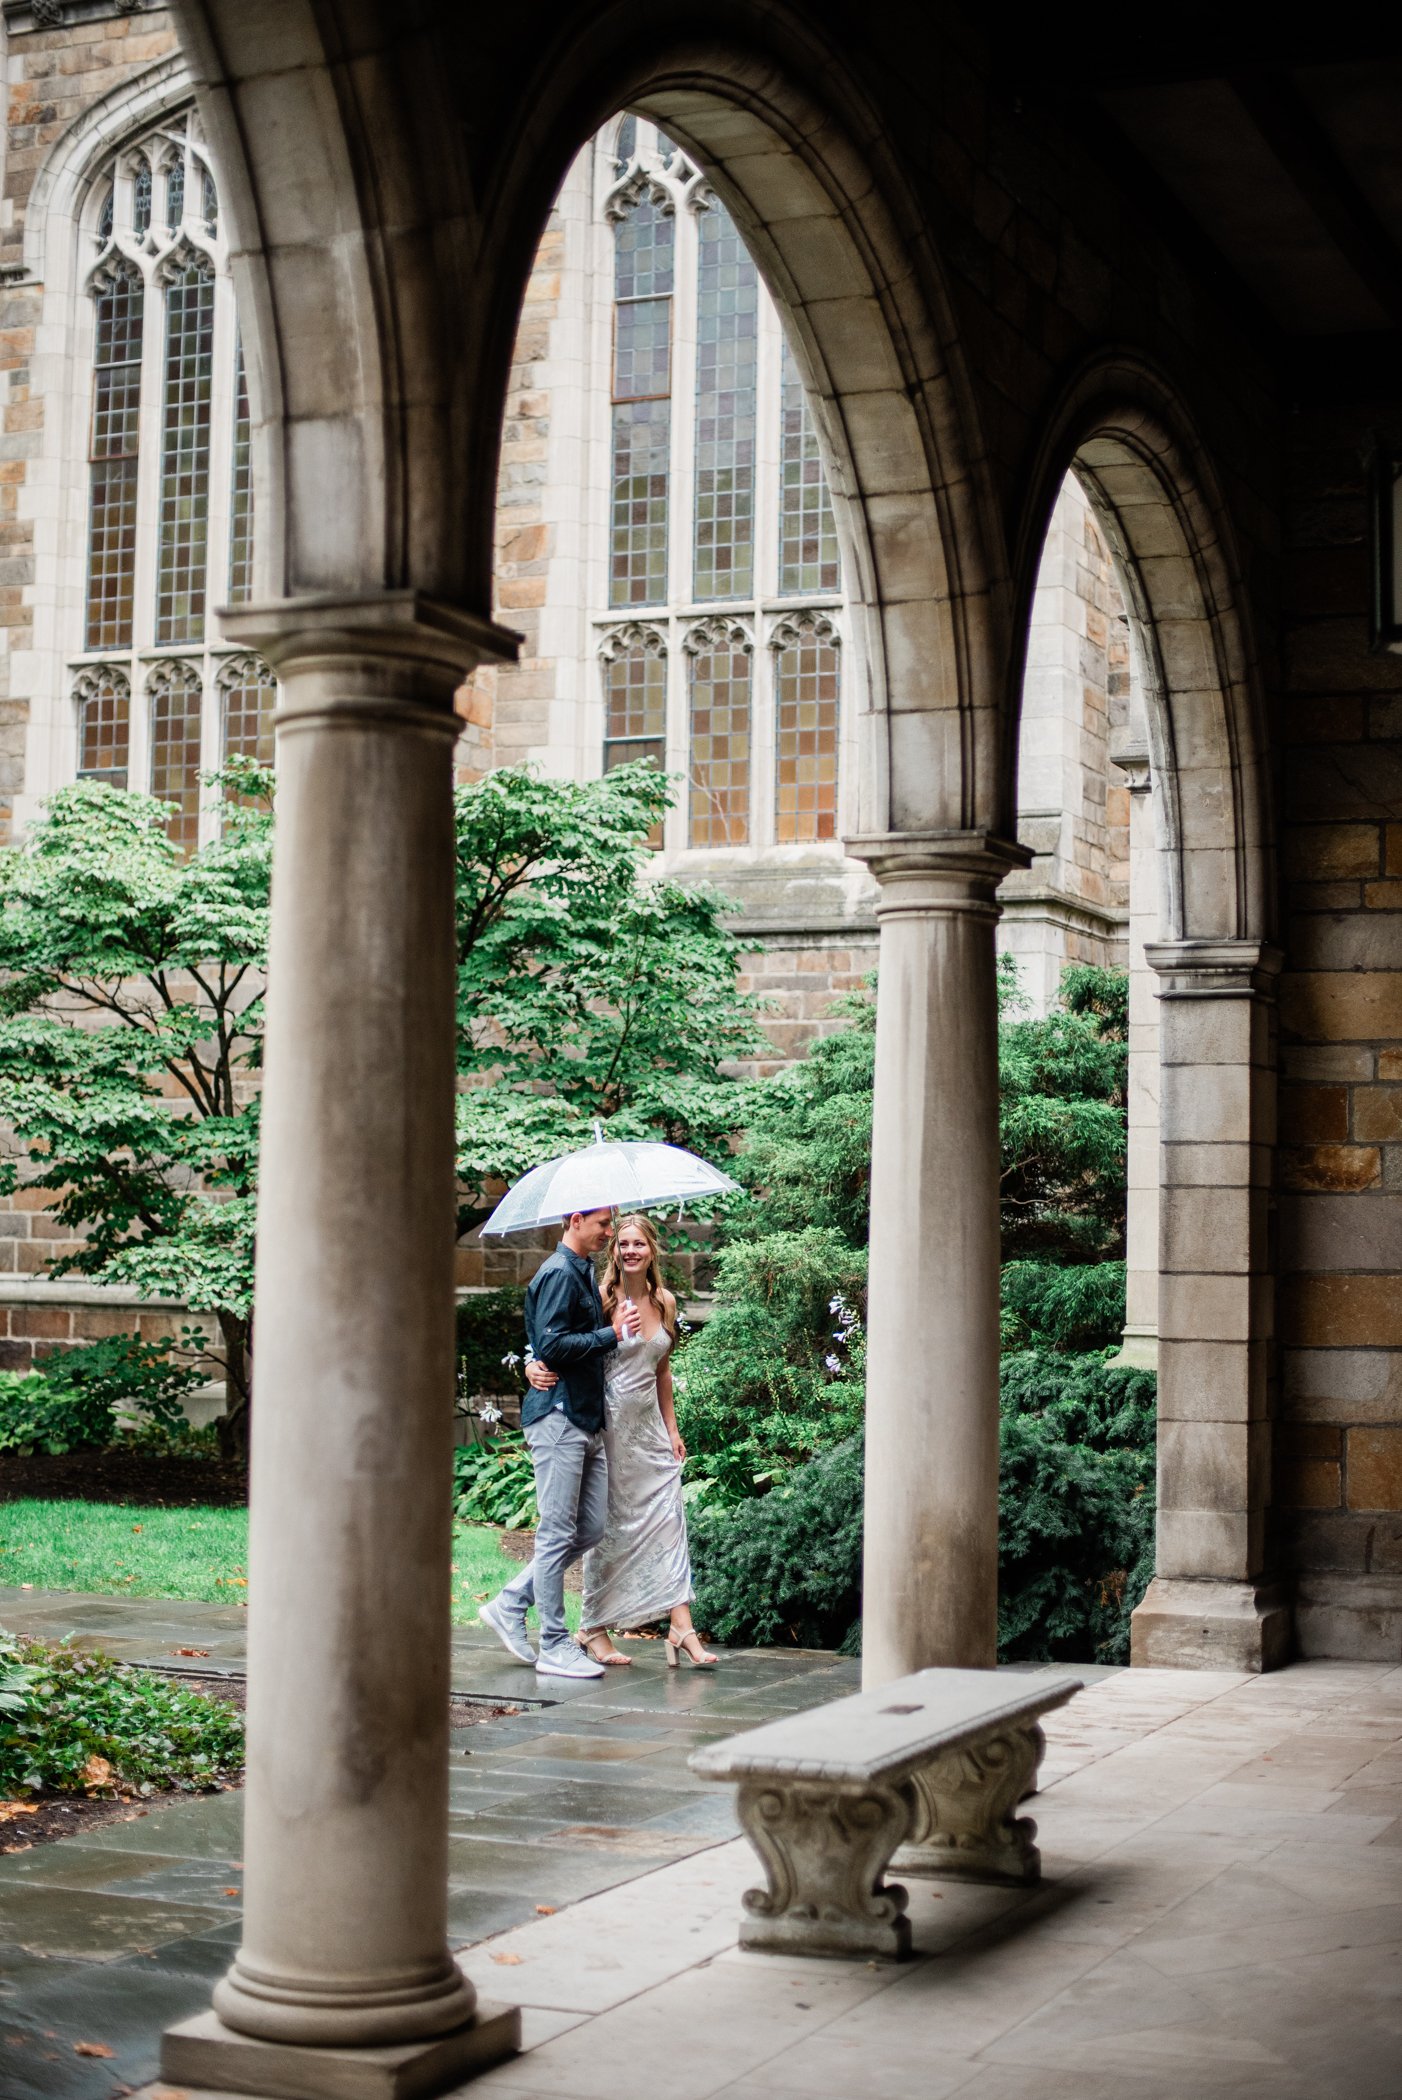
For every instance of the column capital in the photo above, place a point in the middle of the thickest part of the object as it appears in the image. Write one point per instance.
(1223, 969)
(1129, 753)
(922, 872)
(352, 652)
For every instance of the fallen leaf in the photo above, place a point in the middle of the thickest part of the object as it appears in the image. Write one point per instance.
(508, 1961)
(96, 1772)
(189, 1651)
(26, 1585)
(545, 1910)
(136, 1527)
(232, 1892)
(92, 2049)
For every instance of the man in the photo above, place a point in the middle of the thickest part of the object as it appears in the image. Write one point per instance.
(564, 1427)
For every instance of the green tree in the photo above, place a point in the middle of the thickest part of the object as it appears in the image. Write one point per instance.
(131, 1025)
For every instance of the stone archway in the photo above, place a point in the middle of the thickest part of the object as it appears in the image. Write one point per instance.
(380, 273)
(1120, 429)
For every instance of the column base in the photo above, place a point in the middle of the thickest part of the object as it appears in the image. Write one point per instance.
(1187, 1624)
(1139, 1350)
(204, 2053)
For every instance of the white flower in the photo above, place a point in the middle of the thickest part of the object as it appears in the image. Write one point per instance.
(835, 1305)
(679, 1385)
(511, 1359)
(834, 1363)
(489, 1413)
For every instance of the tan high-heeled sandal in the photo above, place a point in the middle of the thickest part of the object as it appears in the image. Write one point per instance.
(612, 1658)
(700, 1658)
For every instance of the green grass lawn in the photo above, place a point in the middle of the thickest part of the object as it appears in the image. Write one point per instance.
(123, 1550)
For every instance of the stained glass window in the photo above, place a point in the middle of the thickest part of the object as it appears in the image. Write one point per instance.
(250, 695)
(635, 707)
(807, 536)
(184, 508)
(806, 695)
(175, 194)
(241, 493)
(642, 423)
(719, 698)
(141, 197)
(103, 699)
(174, 690)
(112, 452)
(727, 347)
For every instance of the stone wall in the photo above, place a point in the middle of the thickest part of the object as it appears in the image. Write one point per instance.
(1339, 1461)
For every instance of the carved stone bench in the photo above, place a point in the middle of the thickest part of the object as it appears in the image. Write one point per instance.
(925, 1774)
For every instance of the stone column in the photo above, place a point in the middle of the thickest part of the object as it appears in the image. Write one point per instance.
(931, 1557)
(344, 1980)
(1140, 1347)
(1211, 1603)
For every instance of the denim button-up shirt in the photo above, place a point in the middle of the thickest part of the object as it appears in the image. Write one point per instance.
(566, 1329)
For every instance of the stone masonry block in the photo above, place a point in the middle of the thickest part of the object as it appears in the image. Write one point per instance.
(1205, 1104)
(1204, 1308)
(1373, 1471)
(1226, 1544)
(1311, 1113)
(1342, 1007)
(1331, 1167)
(1211, 1381)
(1377, 1113)
(1309, 1483)
(1206, 1031)
(1342, 1311)
(1205, 1166)
(1323, 1232)
(1332, 852)
(1208, 1230)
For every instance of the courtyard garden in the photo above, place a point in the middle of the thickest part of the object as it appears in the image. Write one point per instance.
(131, 982)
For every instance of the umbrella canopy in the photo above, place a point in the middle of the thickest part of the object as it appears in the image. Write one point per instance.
(628, 1176)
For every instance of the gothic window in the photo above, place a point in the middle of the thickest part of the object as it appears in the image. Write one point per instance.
(249, 693)
(719, 709)
(241, 494)
(170, 493)
(727, 344)
(721, 504)
(642, 389)
(806, 686)
(174, 695)
(103, 699)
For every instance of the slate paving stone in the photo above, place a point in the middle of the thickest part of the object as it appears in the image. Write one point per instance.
(583, 1790)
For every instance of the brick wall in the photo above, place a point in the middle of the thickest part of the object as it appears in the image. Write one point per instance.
(1339, 1455)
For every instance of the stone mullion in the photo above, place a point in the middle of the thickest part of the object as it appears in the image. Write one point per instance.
(1211, 1600)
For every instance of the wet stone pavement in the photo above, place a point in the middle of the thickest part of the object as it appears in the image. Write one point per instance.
(108, 1937)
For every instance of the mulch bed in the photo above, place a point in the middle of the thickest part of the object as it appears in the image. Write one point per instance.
(24, 1824)
(125, 1476)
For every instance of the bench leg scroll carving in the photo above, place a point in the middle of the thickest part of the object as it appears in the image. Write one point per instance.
(825, 1850)
(964, 1823)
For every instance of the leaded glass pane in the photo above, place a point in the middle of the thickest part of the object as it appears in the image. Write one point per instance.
(643, 252)
(241, 492)
(104, 726)
(727, 343)
(642, 435)
(112, 454)
(720, 747)
(807, 535)
(807, 683)
(642, 350)
(184, 511)
(635, 712)
(175, 194)
(175, 748)
(250, 695)
(141, 197)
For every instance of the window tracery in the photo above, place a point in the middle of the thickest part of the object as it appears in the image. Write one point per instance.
(722, 501)
(170, 493)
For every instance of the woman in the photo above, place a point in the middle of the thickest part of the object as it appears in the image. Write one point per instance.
(640, 1568)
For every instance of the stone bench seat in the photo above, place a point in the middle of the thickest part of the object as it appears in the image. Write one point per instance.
(925, 1773)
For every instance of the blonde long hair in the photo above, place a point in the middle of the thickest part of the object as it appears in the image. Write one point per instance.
(611, 1289)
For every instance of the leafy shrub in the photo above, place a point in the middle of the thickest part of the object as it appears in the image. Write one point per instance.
(1046, 1305)
(491, 1327)
(786, 1566)
(776, 1374)
(72, 1723)
(69, 1402)
(493, 1483)
(1076, 1525)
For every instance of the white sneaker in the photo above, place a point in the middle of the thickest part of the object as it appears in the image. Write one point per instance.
(567, 1662)
(510, 1632)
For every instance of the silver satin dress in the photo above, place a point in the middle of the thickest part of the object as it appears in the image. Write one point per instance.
(640, 1567)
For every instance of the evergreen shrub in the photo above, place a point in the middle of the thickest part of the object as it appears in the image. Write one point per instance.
(69, 1401)
(74, 1723)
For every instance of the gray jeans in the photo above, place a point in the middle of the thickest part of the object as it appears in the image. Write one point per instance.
(572, 1489)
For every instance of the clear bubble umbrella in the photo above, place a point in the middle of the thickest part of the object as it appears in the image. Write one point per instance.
(631, 1175)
